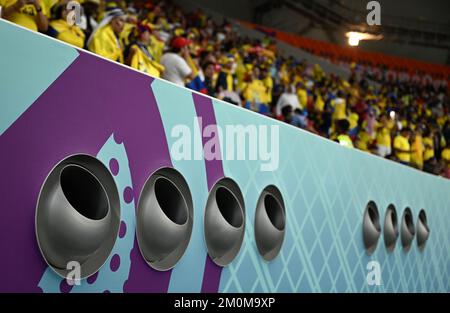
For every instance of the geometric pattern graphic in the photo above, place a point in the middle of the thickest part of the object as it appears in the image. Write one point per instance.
(24, 71)
(325, 188)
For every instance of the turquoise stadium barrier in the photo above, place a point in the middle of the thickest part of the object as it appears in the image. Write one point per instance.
(57, 101)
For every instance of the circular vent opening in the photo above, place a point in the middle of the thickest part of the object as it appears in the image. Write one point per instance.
(423, 218)
(390, 228)
(224, 221)
(423, 231)
(407, 229)
(371, 227)
(77, 215)
(275, 212)
(164, 219)
(229, 207)
(409, 221)
(84, 192)
(171, 201)
(270, 223)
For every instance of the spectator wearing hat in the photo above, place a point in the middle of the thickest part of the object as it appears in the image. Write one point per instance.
(31, 14)
(105, 39)
(176, 68)
(140, 57)
(62, 30)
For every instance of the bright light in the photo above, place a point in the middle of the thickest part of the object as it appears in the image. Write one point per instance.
(355, 37)
(392, 114)
(353, 40)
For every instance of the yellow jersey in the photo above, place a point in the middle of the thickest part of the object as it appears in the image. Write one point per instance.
(429, 148)
(302, 95)
(268, 82)
(106, 44)
(446, 156)
(255, 91)
(27, 15)
(64, 32)
(417, 154)
(384, 137)
(128, 28)
(402, 143)
(320, 104)
(363, 141)
(141, 61)
(344, 140)
(340, 107)
(156, 47)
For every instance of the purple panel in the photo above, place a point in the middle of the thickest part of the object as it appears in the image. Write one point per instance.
(214, 172)
(90, 101)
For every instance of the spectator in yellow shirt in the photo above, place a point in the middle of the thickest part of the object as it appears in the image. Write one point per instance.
(140, 57)
(268, 82)
(339, 106)
(302, 96)
(383, 137)
(157, 47)
(417, 149)
(402, 146)
(31, 14)
(445, 156)
(428, 143)
(105, 38)
(319, 104)
(255, 93)
(226, 79)
(342, 127)
(363, 141)
(60, 28)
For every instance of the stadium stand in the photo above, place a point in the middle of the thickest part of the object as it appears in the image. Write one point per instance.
(393, 107)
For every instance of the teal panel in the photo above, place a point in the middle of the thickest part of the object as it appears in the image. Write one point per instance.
(325, 188)
(176, 107)
(21, 83)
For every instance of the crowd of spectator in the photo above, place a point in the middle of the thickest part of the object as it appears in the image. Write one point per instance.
(375, 110)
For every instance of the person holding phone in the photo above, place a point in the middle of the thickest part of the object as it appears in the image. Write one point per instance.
(31, 14)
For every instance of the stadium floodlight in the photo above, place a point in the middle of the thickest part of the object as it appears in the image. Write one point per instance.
(355, 37)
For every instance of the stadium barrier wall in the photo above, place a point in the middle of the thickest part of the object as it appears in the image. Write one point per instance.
(89, 174)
